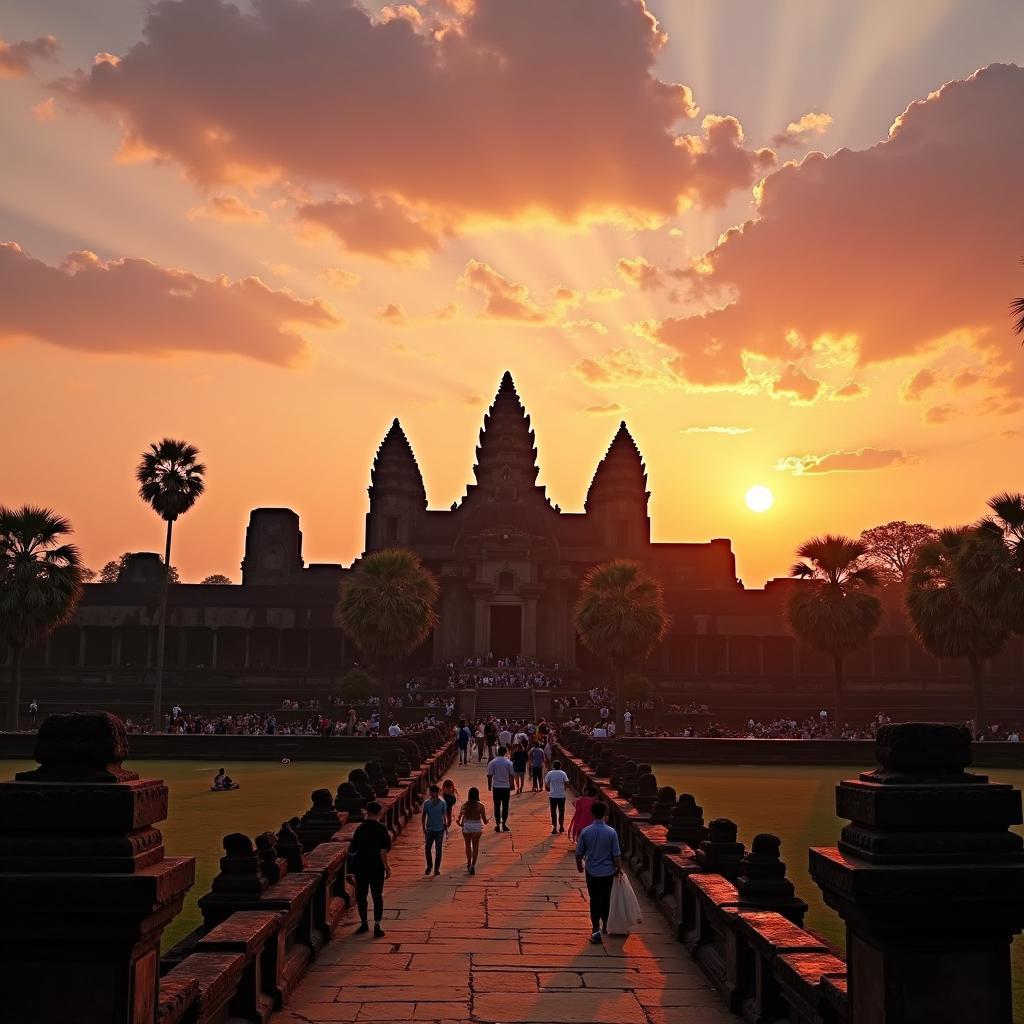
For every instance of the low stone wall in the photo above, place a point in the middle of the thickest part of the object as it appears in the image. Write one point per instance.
(703, 750)
(87, 890)
(927, 876)
(158, 747)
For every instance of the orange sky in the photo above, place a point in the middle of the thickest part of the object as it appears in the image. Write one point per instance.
(271, 228)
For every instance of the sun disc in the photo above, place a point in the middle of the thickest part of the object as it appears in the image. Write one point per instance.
(759, 499)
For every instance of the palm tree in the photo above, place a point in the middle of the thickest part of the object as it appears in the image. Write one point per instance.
(992, 565)
(947, 625)
(620, 616)
(40, 584)
(170, 482)
(834, 611)
(387, 606)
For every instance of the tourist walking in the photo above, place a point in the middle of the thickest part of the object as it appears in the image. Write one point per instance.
(368, 857)
(554, 783)
(536, 766)
(434, 820)
(465, 734)
(598, 853)
(472, 819)
(480, 740)
(500, 773)
(581, 816)
(519, 762)
(450, 796)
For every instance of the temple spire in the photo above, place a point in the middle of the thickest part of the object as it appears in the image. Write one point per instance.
(621, 473)
(506, 451)
(395, 467)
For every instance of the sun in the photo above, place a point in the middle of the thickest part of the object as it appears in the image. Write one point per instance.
(759, 499)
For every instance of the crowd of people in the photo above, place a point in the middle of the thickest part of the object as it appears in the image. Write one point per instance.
(488, 671)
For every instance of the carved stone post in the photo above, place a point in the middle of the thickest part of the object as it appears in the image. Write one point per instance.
(84, 883)
(929, 880)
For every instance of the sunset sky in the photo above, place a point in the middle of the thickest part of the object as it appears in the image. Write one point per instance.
(779, 239)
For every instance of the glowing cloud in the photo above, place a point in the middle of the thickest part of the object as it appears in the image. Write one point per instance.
(508, 300)
(379, 228)
(450, 108)
(132, 306)
(730, 431)
(16, 59)
(228, 208)
(800, 132)
(859, 461)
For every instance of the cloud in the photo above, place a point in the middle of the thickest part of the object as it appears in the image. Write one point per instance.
(508, 300)
(638, 272)
(45, 110)
(591, 328)
(131, 306)
(479, 112)
(604, 409)
(966, 378)
(604, 294)
(343, 280)
(859, 461)
(228, 208)
(16, 59)
(619, 366)
(801, 131)
(474, 401)
(857, 246)
(914, 388)
(378, 228)
(447, 312)
(797, 385)
(849, 391)
(940, 414)
(394, 315)
(732, 431)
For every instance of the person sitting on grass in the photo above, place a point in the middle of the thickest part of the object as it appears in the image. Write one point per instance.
(223, 781)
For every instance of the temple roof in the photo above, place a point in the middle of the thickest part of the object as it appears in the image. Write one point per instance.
(395, 466)
(621, 471)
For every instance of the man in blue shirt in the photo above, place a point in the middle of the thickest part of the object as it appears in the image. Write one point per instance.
(598, 849)
(464, 737)
(434, 819)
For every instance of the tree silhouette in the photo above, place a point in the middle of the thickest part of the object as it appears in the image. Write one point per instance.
(891, 548)
(217, 578)
(111, 570)
(620, 616)
(170, 482)
(991, 566)
(40, 585)
(833, 611)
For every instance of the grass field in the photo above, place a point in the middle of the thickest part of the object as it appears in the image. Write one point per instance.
(797, 804)
(198, 819)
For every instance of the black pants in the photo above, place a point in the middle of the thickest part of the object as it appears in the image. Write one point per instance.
(557, 811)
(535, 775)
(599, 888)
(501, 798)
(373, 884)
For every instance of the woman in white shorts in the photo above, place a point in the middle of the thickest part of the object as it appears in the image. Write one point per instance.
(472, 819)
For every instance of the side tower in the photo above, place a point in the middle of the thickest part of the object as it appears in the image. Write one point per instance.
(618, 495)
(397, 495)
(273, 548)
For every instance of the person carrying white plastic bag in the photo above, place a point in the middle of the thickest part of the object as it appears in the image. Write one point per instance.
(624, 908)
(597, 849)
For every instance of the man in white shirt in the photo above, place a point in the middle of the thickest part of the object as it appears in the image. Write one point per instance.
(505, 737)
(554, 783)
(500, 775)
(394, 729)
(600, 732)
(520, 738)
(627, 721)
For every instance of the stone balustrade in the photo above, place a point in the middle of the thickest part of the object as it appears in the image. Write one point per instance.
(87, 889)
(928, 877)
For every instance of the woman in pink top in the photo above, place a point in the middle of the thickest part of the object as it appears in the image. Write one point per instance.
(581, 816)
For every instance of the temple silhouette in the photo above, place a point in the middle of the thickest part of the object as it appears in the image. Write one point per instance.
(509, 562)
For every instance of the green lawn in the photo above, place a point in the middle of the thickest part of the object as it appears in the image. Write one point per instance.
(198, 819)
(798, 805)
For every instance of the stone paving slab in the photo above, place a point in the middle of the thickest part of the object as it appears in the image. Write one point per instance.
(509, 945)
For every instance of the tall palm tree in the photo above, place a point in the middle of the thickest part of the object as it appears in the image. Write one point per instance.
(992, 565)
(834, 611)
(386, 606)
(620, 616)
(40, 584)
(170, 482)
(947, 625)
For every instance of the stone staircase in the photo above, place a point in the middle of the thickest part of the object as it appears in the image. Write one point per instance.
(512, 703)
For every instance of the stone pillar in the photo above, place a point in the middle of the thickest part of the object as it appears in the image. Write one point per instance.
(84, 883)
(246, 657)
(929, 880)
(213, 647)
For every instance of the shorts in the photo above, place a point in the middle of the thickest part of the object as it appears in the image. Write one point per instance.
(471, 828)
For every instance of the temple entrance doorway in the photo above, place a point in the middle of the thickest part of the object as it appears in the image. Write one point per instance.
(506, 630)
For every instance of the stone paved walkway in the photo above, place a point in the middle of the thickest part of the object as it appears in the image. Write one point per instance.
(508, 945)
